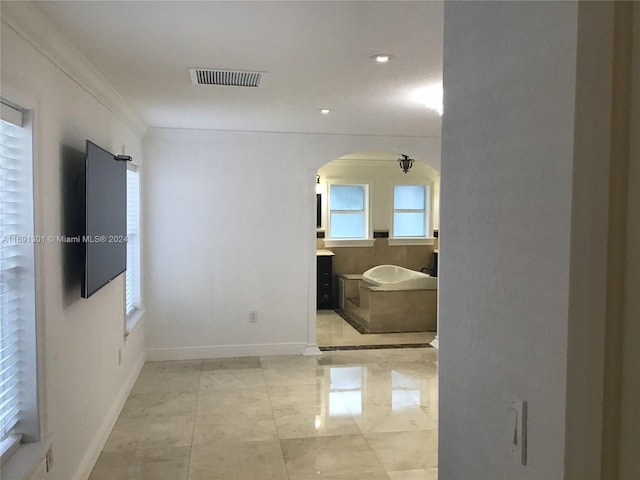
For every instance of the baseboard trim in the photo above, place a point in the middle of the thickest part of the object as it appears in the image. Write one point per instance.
(222, 351)
(93, 452)
(311, 351)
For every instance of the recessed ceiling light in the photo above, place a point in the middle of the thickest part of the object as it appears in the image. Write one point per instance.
(430, 97)
(382, 57)
(325, 111)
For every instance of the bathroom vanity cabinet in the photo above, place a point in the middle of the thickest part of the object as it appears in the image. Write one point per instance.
(324, 284)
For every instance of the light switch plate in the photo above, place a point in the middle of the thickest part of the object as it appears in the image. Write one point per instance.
(518, 429)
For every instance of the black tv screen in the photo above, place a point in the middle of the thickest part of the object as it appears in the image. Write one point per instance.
(105, 247)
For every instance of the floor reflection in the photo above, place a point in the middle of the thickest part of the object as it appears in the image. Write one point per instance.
(366, 414)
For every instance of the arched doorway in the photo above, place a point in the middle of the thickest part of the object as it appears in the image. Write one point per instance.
(377, 239)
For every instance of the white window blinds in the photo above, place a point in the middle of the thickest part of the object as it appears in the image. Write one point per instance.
(17, 305)
(133, 240)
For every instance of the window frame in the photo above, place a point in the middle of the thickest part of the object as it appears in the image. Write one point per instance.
(132, 317)
(367, 240)
(428, 238)
(30, 422)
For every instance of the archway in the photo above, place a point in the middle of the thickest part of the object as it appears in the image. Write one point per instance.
(377, 172)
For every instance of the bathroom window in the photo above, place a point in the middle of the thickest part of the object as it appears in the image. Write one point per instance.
(348, 212)
(411, 205)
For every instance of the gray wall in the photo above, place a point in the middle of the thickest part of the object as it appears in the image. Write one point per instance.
(525, 150)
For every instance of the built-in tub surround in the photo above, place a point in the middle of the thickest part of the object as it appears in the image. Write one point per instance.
(393, 277)
(359, 259)
(382, 310)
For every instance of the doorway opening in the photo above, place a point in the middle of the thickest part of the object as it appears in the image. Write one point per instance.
(371, 213)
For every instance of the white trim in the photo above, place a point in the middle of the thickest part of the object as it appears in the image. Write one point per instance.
(8, 446)
(368, 227)
(223, 351)
(34, 27)
(26, 460)
(311, 240)
(346, 242)
(410, 241)
(132, 321)
(428, 211)
(312, 351)
(10, 114)
(100, 439)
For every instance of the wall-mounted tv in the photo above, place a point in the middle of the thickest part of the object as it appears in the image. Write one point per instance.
(104, 242)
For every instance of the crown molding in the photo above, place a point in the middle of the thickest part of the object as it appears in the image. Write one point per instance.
(34, 27)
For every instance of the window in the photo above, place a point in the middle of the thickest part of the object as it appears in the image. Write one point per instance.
(348, 211)
(133, 241)
(411, 211)
(18, 376)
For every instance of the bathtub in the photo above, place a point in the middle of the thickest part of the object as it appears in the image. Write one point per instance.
(392, 277)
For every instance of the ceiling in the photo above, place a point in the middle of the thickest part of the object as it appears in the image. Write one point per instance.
(316, 55)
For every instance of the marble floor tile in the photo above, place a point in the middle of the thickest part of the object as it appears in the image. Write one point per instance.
(377, 475)
(304, 397)
(346, 455)
(231, 401)
(386, 419)
(238, 461)
(431, 409)
(172, 366)
(333, 330)
(289, 361)
(347, 357)
(231, 379)
(232, 363)
(167, 404)
(305, 422)
(150, 464)
(301, 375)
(241, 426)
(399, 451)
(150, 432)
(428, 474)
(187, 381)
(345, 415)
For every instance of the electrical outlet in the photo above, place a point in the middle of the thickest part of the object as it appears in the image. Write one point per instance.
(253, 316)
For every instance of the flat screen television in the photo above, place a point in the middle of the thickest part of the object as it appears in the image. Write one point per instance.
(104, 241)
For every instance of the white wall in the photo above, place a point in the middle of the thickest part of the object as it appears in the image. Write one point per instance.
(523, 226)
(381, 177)
(83, 385)
(230, 227)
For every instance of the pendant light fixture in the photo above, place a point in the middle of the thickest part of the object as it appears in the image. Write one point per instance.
(405, 163)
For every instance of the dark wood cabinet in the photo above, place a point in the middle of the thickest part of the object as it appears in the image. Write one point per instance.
(325, 282)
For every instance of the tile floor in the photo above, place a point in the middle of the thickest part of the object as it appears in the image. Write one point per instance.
(332, 330)
(366, 414)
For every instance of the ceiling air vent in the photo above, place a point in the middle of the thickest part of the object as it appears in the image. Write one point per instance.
(227, 78)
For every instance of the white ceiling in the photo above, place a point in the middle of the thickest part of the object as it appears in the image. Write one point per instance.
(317, 54)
